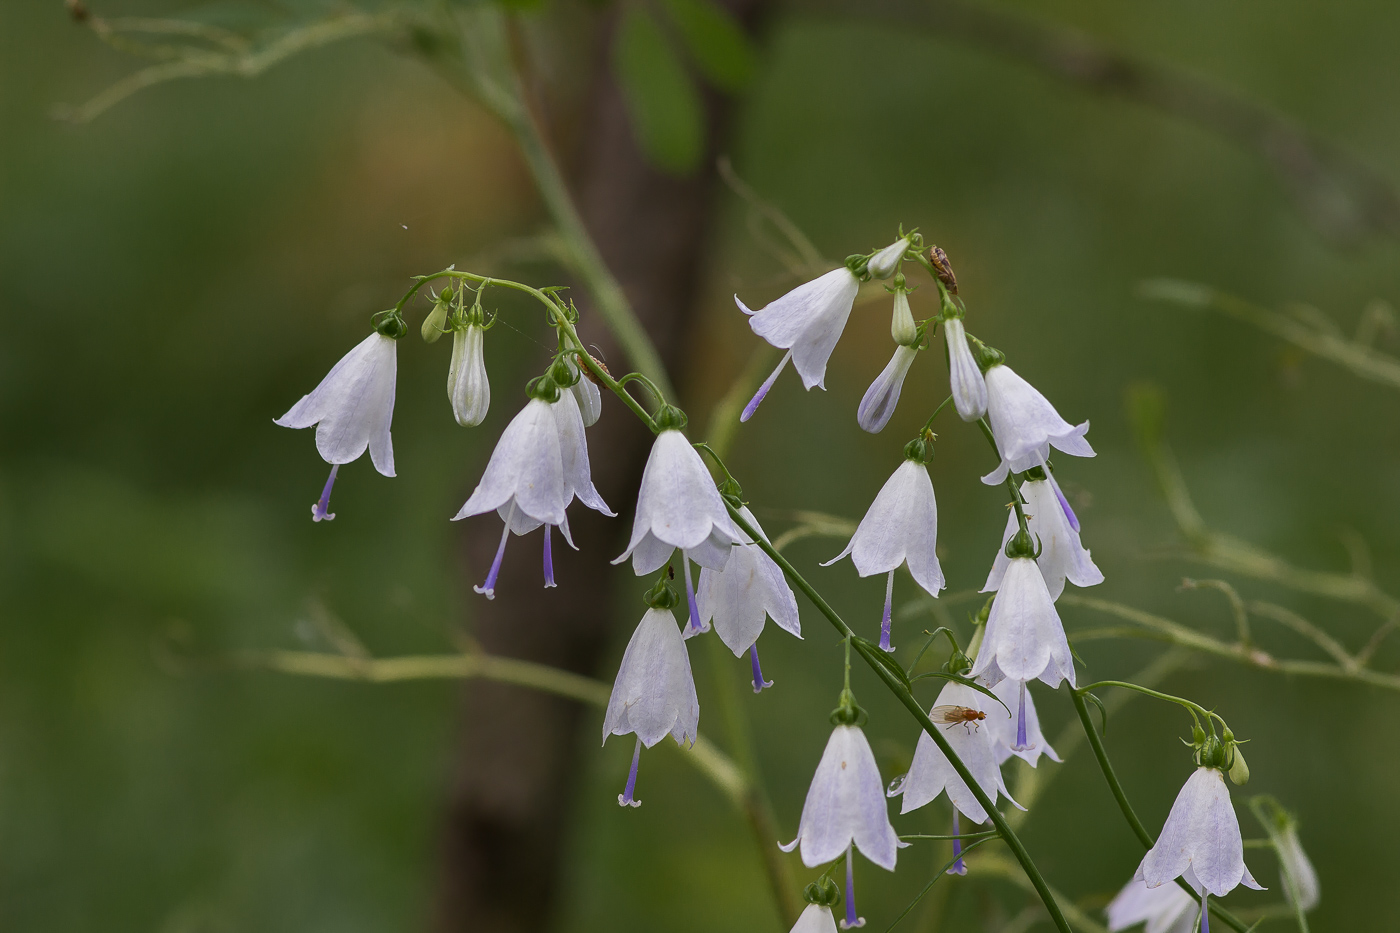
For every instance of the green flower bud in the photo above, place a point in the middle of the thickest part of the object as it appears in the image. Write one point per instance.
(436, 321)
(563, 374)
(1239, 770)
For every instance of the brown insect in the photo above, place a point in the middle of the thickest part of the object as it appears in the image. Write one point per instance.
(588, 373)
(943, 268)
(952, 715)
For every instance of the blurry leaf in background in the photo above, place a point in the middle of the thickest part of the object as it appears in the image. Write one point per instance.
(716, 42)
(662, 101)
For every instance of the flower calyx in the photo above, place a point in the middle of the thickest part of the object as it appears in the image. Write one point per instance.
(847, 711)
(986, 356)
(920, 449)
(957, 663)
(1022, 545)
(662, 594)
(670, 418)
(564, 375)
(543, 388)
(389, 323)
(823, 892)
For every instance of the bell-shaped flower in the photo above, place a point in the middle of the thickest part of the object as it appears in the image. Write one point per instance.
(528, 481)
(352, 409)
(738, 599)
(878, 404)
(1165, 909)
(965, 380)
(1004, 728)
(845, 808)
(1300, 884)
(1202, 837)
(586, 393)
(900, 528)
(1024, 638)
(931, 774)
(1062, 557)
(467, 385)
(654, 693)
(1026, 426)
(806, 322)
(816, 918)
(678, 506)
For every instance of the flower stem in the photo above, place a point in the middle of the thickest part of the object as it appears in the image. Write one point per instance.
(1195, 708)
(902, 693)
(1146, 838)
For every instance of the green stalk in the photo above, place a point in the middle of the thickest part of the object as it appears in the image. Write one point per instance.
(1146, 838)
(901, 693)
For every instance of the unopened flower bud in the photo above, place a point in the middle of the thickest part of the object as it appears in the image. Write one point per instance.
(902, 327)
(468, 387)
(436, 321)
(884, 263)
(1239, 770)
(965, 380)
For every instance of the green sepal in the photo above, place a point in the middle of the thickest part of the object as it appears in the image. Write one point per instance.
(920, 449)
(847, 711)
(662, 594)
(986, 356)
(564, 375)
(966, 682)
(883, 658)
(823, 892)
(670, 418)
(543, 388)
(1021, 545)
(389, 323)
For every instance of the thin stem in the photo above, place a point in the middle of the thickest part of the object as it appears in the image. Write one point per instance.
(964, 837)
(937, 876)
(906, 698)
(1011, 487)
(1195, 708)
(941, 405)
(1146, 838)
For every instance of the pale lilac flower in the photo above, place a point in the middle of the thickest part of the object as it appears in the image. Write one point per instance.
(816, 918)
(1004, 727)
(806, 322)
(540, 463)
(678, 506)
(884, 263)
(1202, 837)
(738, 599)
(1062, 556)
(845, 808)
(1025, 425)
(586, 393)
(1024, 638)
(654, 693)
(1300, 884)
(352, 409)
(1166, 909)
(900, 528)
(468, 387)
(964, 378)
(878, 404)
(931, 774)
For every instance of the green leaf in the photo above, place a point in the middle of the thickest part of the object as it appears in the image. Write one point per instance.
(873, 651)
(966, 682)
(718, 44)
(662, 101)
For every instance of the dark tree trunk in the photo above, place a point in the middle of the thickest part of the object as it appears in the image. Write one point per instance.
(511, 798)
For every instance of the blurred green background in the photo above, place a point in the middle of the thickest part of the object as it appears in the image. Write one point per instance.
(175, 274)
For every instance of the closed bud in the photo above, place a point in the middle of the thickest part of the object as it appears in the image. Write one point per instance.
(436, 321)
(902, 327)
(883, 264)
(1239, 770)
(468, 387)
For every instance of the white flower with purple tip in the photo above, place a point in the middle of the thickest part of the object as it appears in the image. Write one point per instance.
(654, 693)
(1201, 841)
(738, 599)
(1165, 909)
(540, 463)
(679, 507)
(1004, 728)
(931, 774)
(1024, 424)
(845, 808)
(878, 405)
(352, 409)
(1053, 526)
(899, 529)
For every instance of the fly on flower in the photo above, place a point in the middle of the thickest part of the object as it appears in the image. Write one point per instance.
(953, 715)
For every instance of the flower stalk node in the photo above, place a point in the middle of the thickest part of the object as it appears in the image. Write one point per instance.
(986, 356)
(848, 711)
(389, 323)
(662, 594)
(670, 418)
(823, 892)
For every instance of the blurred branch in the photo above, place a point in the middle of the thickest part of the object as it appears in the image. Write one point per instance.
(1306, 328)
(1342, 197)
(815, 525)
(233, 56)
(994, 864)
(1146, 410)
(799, 256)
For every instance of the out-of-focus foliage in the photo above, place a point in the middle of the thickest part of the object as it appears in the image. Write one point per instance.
(175, 274)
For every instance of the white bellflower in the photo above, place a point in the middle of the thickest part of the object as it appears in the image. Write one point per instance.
(1166, 909)
(1004, 728)
(816, 918)
(1025, 425)
(1062, 556)
(352, 409)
